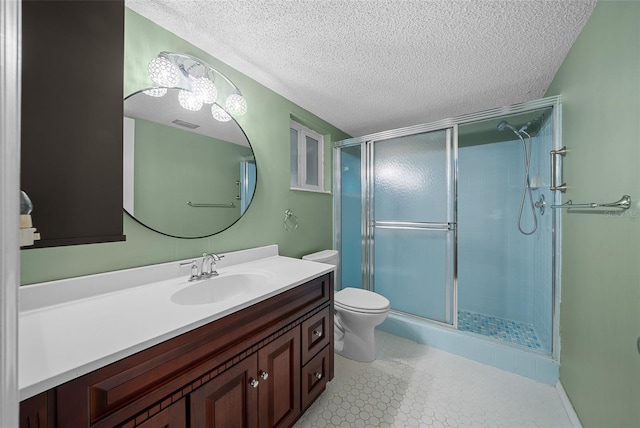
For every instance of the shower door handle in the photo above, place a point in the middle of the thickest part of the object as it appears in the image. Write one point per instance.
(554, 159)
(413, 225)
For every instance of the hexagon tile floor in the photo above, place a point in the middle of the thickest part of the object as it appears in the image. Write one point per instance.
(412, 385)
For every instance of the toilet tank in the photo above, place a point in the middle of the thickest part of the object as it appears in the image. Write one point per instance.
(329, 257)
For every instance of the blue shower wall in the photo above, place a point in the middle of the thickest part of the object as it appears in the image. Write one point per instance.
(494, 259)
(351, 230)
(502, 272)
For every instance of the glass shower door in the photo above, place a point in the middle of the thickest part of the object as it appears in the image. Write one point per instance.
(412, 224)
(352, 269)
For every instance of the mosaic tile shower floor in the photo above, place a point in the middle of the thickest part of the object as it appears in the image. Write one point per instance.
(498, 328)
(412, 385)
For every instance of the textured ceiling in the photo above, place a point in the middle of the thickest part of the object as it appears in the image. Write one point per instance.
(368, 66)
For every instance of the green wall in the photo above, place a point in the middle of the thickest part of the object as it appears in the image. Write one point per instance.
(600, 310)
(267, 127)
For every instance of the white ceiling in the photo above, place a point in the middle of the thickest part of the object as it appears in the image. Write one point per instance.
(367, 66)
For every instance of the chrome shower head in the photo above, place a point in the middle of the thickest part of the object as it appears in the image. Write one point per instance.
(504, 124)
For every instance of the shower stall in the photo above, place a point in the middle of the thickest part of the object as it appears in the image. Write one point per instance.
(452, 222)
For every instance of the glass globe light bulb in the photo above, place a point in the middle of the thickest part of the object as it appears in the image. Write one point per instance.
(156, 92)
(163, 72)
(219, 114)
(204, 89)
(189, 101)
(236, 104)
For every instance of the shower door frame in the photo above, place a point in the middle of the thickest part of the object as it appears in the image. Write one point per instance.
(369, 224)
(367, 175)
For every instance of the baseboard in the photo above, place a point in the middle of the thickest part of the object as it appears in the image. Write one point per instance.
(568, 407)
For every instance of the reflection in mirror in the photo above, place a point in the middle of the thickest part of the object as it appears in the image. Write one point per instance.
(185, 174)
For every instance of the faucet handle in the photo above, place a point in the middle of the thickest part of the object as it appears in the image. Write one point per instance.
(194, 269)
(191, 263)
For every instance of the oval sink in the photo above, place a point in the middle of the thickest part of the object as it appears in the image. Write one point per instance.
(219, 288)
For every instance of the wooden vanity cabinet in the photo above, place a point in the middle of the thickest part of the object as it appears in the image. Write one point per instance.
(317, 355)
(171, 417)
(38, 411)
(279, 377)
(229, 400)
(258, 367)
(71, 133)
(240, 398)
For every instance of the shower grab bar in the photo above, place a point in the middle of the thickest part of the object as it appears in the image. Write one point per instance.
(413, 225)
(623, 204)
(554, 156)
(199, 205)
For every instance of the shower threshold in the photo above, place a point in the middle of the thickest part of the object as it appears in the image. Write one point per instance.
(498, 328)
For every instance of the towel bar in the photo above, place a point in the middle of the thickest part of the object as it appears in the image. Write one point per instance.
(623, 204)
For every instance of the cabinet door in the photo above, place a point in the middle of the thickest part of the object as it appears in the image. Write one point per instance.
(71, 163)
(279, 375)
(37, 412)
(228, 400)
(174, 416)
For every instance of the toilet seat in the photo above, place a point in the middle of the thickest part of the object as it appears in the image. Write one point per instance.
(362, 301)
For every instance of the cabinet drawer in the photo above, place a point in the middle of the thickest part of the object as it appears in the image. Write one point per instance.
(315, 375)
(316, 333)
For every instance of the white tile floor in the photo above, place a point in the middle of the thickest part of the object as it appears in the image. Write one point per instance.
(412, 385)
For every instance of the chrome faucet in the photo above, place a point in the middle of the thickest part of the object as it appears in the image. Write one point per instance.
(212, 259)
(207, 267)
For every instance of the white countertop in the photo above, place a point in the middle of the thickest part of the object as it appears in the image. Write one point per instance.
(61, 339)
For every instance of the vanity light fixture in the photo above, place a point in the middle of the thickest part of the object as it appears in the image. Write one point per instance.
(204, 89)
(236, 104)
(198, 83)
(163, 72)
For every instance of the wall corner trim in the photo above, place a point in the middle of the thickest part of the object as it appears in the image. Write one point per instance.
(568, 407)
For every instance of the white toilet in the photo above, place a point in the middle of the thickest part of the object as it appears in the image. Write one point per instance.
(357, 313)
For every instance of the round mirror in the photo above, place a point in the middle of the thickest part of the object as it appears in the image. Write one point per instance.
(186, 174)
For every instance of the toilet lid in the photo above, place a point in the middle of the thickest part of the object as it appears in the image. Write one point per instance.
(359, 300)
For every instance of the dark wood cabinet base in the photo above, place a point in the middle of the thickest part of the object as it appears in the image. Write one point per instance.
(258, 367)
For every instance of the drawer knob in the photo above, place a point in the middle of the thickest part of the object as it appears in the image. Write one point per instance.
(264, 375)
(317, 375)
(317, 333)
(254, 383)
